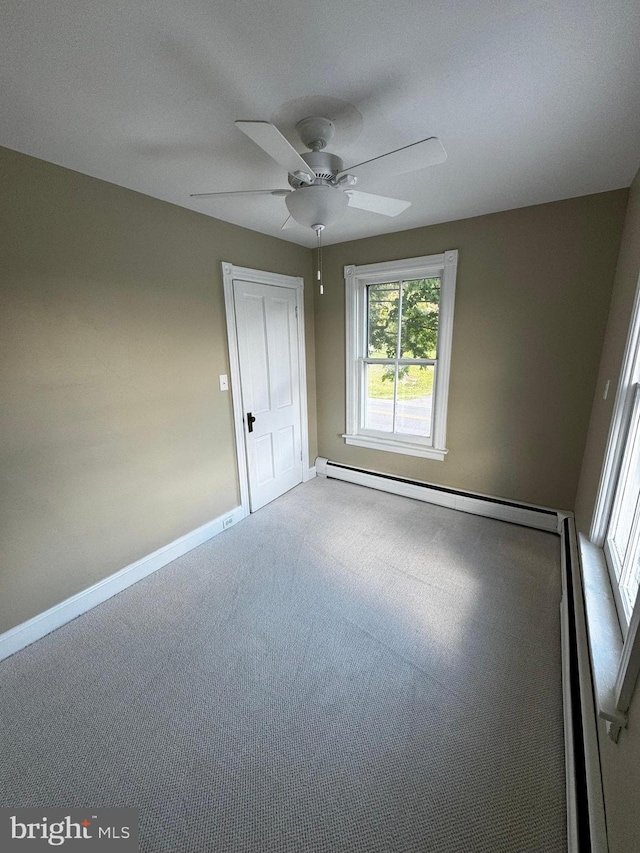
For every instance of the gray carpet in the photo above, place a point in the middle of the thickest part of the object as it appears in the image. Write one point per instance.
(345, 670)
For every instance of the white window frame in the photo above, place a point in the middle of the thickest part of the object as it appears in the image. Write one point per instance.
(614, 638)
(357, 278)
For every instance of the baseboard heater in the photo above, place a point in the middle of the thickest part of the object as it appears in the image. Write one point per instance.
(585, 798)
(586, 825)
(528, 515)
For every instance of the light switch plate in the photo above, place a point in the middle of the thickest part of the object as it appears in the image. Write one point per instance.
(224, 382)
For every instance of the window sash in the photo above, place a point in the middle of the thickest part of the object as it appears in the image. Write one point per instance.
(398, 285)
(622, 540)
(396, 363)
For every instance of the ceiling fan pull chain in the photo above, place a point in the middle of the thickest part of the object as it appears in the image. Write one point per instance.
(319, 229)
(320, 260)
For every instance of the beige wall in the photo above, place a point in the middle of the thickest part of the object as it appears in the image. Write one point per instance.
(532, 296)
(621, 761)
(115, 437)
(619, 315)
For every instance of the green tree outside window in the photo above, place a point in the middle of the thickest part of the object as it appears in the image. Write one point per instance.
(418, 339)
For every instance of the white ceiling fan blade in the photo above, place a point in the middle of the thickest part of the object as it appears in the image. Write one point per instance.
(377, 203)
(428, 152)
(269, 138)
(240, 192)
(288, 223)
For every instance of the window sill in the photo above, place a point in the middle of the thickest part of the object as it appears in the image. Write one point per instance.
(396, 446)
(603, 631)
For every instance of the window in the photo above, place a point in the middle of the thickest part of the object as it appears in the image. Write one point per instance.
(399, 328)
(610, 556)
(616, 521)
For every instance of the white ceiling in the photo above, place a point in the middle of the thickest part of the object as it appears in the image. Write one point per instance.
(533, 100)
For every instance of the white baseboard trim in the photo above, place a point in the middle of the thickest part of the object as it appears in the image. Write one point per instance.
(309, 474)
(39, 626)
(528, 515)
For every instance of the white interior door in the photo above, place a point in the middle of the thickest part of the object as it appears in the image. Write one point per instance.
(267, 331)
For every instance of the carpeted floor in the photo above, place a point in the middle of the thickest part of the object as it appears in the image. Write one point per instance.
(345, 670)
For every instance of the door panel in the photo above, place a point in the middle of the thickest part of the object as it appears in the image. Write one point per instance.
(269, 371)
(282, 353)
(257, 378)
(286, 448)
(263, 450)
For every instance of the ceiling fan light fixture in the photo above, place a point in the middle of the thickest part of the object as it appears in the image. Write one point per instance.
(318, 204)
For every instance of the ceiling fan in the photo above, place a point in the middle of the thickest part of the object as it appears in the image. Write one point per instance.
(320, 189)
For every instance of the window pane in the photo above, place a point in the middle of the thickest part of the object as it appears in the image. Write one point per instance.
(420, 313)
(630, 588)
(628, 493)
(379, 397)
(415, 399)
(382, 326)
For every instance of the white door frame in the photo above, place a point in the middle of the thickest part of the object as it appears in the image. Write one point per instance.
(229, 273)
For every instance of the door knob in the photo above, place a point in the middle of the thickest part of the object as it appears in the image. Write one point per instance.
(250, 421)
